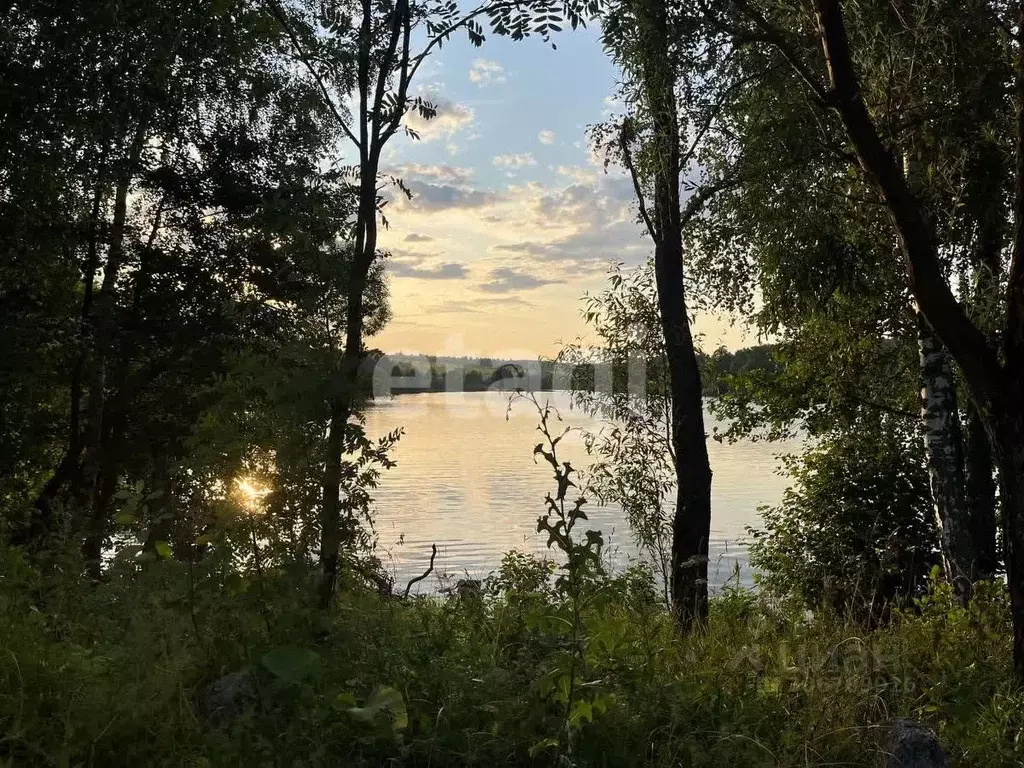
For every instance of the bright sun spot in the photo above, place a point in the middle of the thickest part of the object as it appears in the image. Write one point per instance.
(250, 492)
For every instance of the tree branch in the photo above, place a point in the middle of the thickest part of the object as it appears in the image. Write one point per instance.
(704, 193)
(968, 345)
(430, 568)
(404, 78)
(385, 68)
(627, 158)
(278, 14)
(766, 33)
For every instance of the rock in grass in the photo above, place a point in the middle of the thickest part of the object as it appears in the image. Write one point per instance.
(912, 745)
(222, 701)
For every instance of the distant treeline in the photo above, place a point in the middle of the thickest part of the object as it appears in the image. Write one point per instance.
(440, 374)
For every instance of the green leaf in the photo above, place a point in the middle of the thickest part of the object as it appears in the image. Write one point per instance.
(581, 710)
(345, 700)
(163, 549)
(540, 746)
(293, 665)
(383, 699)
(125, 518)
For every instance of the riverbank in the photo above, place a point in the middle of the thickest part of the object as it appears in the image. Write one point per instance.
(202, 665)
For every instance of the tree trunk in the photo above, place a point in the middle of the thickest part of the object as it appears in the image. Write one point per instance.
(348, 379)
(988, 209)
(1008, 412)
(940, 420)
(104, 335)
(1010, 436)
(980, 495)
(691, 527)
(68, 467)
(996, 390)
(979, 462)
(121, 389)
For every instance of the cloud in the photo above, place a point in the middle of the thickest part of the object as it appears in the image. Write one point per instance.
(436, 187)
(507, 280)
(484, 72)
(612, 105)
(454, 307)
(546, 137)
(415, 237)
(514, 161)
(578, 174)
(415, 266)
(478, 305)
(570, 227)
(449, 120)
(448, 174)
(439, 197)
(585, 252)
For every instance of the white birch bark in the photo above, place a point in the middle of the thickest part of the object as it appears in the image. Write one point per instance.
(940, 422)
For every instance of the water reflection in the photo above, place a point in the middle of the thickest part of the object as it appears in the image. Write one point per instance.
(466, 480)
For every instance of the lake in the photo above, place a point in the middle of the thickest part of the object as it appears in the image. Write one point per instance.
(466, 481)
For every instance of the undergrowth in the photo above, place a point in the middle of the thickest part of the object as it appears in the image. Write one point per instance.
(115, 674)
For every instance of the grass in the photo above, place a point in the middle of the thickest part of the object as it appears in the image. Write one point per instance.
(110, 675)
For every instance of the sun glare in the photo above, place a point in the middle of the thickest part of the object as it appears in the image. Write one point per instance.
(250, 493)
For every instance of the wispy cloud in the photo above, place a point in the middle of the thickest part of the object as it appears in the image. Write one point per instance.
(449, 120)
(514, 162)
(449, 174)
(546, 137)
(418, 267)
(486, 72)
(439, 197)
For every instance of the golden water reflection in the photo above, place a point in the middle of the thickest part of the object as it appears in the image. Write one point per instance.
(466, 480)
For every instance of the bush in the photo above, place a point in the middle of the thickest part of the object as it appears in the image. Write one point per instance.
(110, 675)
(856, 532)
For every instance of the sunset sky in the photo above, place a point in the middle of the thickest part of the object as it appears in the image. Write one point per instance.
(512, 218)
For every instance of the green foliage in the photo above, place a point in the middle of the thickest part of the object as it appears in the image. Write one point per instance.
(566, 681)
(293, 665)
(112, 675)
(205, 336)
(632, 464)
(856, 532)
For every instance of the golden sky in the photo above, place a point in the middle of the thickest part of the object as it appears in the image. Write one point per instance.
(513, 218)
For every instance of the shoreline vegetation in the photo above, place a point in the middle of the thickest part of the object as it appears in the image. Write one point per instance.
(222, 658)
(410, 373)
(199, 665)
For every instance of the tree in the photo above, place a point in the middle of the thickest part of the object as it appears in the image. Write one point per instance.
(855, 533)
(372, 52)
(189, 225)
(992, 369)
(799, 228)
(650, 40)
(634, 454)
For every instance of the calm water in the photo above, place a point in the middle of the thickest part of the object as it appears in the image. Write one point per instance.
(466, 481)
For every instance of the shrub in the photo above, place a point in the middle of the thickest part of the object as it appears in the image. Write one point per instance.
(855, 533)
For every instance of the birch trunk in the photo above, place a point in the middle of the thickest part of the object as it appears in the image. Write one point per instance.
(940, 421)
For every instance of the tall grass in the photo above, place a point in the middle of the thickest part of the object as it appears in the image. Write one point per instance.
(114, 675)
